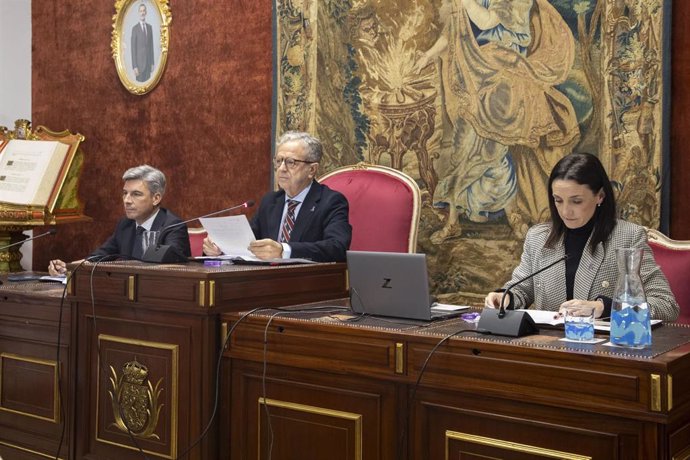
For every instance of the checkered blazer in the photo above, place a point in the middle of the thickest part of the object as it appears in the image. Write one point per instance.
(596, 276)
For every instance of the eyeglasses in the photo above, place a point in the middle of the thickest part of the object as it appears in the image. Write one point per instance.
(289, 162)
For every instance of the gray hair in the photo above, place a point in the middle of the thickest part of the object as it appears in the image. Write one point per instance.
(154, 178)
(311, 144)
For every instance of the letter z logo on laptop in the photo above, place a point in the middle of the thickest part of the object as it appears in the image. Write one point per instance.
(387, 283)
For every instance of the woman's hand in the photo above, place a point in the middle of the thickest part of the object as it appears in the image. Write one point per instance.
(493, 300)
(597, 305)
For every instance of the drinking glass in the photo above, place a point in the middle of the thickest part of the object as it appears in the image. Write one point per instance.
(149, 238)
(579, 323)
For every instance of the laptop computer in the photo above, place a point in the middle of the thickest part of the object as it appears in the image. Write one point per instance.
(392, 284)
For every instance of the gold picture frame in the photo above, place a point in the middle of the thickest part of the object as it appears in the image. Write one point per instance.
(139, 44)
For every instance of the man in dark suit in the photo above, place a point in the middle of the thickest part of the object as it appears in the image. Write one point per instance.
(304, 219)
(142, 193)
(142, 47)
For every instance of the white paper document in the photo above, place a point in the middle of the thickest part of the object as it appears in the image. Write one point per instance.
(232, 234)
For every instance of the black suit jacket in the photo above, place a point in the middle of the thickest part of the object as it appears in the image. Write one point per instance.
(322, 231)
(142, 51)
(122, 240)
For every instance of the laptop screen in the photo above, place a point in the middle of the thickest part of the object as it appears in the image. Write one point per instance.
(389, 284)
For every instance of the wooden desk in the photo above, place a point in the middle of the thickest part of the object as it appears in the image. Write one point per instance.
(30, 413)
(347, 391)
(147, 341)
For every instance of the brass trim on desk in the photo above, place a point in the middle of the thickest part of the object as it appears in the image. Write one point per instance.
(24, 449)
(655, 389)
(510, 446)
(350, 416)
(683, 454)
(56, 386)
(399, 358)
(669, 390)
(131, 285)
(212, 293)
(70, 280)
(202, 293)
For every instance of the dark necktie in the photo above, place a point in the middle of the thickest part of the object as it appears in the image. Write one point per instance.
(137, 250)
(289, 222)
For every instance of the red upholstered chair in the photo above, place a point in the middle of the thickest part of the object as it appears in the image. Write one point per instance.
(196, 240)
(384, 206)
(673, 257)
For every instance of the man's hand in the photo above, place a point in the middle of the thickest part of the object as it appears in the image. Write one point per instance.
(210, 248)
(57, 267)
(266, 249)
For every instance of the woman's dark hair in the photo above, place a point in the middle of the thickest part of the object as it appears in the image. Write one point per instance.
(585, 169)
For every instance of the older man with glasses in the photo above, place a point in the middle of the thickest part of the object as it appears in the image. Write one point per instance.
(304, 219)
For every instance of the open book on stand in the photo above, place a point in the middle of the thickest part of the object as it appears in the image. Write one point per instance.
(30, 171)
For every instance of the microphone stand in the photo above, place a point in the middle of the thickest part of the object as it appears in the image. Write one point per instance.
(509, 322)
(52, 231)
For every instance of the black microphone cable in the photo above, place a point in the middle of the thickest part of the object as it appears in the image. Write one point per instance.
(282, 311)
(220, 360)
(68, 279)
(403, 434)
(101, 370)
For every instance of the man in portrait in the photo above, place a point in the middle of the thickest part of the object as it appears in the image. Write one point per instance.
(142, 47)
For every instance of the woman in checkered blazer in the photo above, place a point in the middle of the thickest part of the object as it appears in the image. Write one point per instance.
(583, 226)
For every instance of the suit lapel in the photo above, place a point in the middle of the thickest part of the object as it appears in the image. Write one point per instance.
(587, 271)
(306, 212)
(159, 220)
(554, 276)
(128, 233)
(275, 214)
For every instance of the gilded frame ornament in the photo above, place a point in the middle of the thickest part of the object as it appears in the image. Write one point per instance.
(140, 51)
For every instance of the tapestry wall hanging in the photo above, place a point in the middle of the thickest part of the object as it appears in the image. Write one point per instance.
(478, 112)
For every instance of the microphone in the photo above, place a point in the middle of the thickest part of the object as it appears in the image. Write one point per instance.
(52, 231)
(509, 322)
(166, 254)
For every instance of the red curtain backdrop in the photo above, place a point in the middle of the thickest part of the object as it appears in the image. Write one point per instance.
(208, 123)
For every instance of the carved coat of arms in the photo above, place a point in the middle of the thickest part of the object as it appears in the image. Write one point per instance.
(135, 400)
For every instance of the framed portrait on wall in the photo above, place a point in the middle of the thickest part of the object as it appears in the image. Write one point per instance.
(140, 39)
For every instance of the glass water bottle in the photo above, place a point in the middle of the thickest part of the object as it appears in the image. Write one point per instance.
(630, 315)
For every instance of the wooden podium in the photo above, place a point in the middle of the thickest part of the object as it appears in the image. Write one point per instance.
(63, 205)
(147, 343)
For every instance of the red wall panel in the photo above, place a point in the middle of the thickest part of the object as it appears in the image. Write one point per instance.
(207, 124)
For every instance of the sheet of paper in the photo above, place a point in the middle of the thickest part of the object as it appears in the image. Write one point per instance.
(232, 234)
(544, 317)
(446, 307)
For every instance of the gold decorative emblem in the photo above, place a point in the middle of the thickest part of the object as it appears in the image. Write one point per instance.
(135, 400)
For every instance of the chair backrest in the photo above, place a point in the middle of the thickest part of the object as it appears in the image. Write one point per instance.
(384, 206)
(673, 257)
(196, 240)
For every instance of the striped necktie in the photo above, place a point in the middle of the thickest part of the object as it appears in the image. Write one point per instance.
(289, 222)
(138, 249)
